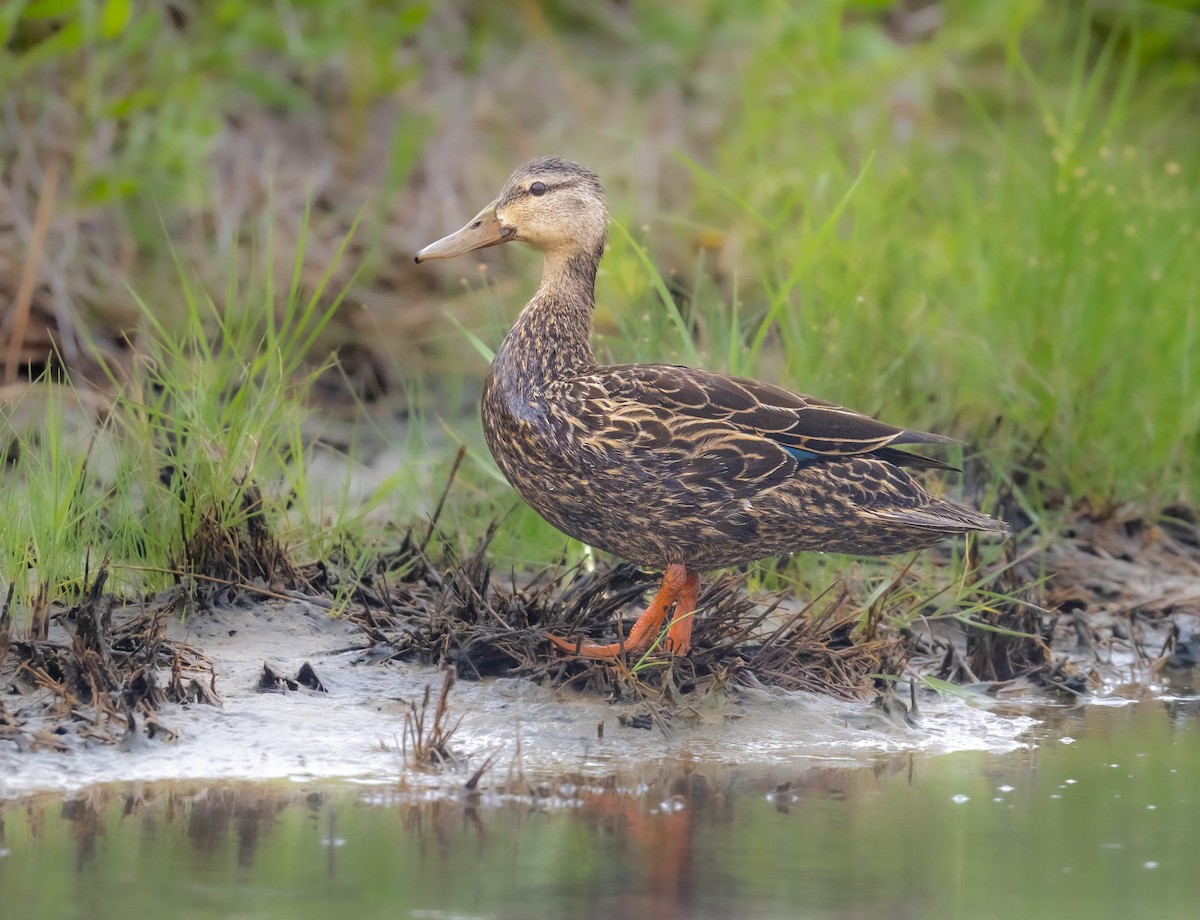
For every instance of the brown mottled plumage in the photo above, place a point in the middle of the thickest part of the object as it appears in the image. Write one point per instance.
(668, 466)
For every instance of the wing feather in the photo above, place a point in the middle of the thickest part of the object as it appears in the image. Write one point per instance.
(760, 410)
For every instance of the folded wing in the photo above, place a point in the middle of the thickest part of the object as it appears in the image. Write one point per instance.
(800, 424)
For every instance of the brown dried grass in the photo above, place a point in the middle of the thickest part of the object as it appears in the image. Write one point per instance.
(97, 675)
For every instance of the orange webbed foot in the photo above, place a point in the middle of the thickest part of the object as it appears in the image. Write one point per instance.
(678, 586)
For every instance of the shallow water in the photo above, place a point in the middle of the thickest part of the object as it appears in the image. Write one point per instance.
(1096, 815)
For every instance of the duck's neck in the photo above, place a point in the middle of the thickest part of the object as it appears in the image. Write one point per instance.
(552, 338)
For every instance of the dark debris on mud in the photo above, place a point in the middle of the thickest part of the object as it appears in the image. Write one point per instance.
(102, 669)
(95, 672)
(454, 612)
(1109, 603)
(229, 549)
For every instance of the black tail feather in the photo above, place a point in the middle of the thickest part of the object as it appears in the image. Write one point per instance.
(913, 461)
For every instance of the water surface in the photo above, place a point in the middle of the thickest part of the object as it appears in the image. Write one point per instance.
(1098, 817)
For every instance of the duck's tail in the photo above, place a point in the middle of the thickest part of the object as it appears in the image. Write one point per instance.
(944, 517)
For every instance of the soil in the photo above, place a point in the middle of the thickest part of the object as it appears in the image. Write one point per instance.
(445, 677)
(360, 726)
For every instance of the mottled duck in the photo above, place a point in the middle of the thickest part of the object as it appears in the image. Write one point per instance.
(671, 467)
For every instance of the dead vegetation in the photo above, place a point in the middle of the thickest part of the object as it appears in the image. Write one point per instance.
(101, 669)
(453, 612)
(230, 548)
(1014, 643)
(426, 739)
(90, 673)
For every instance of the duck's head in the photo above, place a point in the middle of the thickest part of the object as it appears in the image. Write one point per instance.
(552, 204)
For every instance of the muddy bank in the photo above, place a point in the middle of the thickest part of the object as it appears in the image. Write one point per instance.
(252, 687)
(358, 726)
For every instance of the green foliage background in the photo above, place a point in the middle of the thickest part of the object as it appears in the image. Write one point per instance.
(975, 217)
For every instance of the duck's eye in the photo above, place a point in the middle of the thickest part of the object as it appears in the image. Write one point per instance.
(537, 188)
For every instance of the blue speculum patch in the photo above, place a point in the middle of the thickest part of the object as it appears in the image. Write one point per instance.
(802, 456)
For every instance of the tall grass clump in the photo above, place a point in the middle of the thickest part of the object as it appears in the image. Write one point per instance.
(192, 468)
(219, 410)
(48, 504)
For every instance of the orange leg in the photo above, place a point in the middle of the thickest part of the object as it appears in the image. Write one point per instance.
(679, 633)
(677, 585)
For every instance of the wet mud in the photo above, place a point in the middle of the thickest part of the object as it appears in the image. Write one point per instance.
(439, 664)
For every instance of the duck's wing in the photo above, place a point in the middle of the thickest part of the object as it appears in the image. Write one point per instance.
(807, 428)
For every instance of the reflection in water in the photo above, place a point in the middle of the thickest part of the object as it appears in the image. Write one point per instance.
(1101, 826)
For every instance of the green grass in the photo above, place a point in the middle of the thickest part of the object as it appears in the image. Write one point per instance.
(987, 232)
(165, 81)
(1022, 277)
(1018, 272)
(162, 480)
